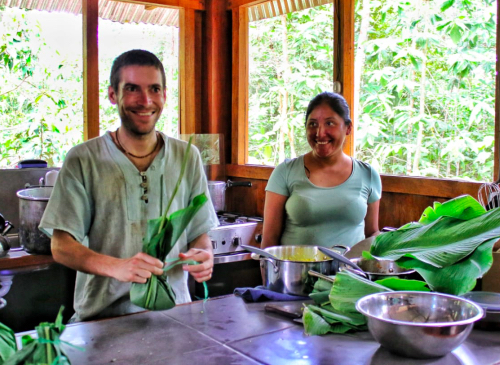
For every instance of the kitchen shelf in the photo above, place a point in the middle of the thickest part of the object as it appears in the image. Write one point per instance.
(19, 261)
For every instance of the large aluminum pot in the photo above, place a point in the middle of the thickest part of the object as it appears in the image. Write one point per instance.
(32, 204)
(288, 274)
(217, 190)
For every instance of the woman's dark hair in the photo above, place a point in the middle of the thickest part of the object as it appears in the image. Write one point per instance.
(334, 101)
(135, 57)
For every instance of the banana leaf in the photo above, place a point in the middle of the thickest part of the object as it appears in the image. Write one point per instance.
(161, 236)
(450, 248)
(348, 288)
(403, 284)
(8, 344)
(319, 321)
(440, 243)
(46, 348)
(456, 279)
(463, 207)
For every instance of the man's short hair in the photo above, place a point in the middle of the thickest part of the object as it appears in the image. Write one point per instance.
(135, 57)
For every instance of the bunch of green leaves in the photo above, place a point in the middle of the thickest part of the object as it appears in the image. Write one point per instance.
(161, 235)
(8, 344)
(338, 314)
(46, 348)
(450, 247)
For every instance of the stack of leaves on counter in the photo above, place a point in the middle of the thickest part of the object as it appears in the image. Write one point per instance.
(161, 236)
(46, 349)
(8, 344)
(335, 310)
(450, 246)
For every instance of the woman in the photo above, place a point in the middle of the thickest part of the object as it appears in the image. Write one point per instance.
(324, 197)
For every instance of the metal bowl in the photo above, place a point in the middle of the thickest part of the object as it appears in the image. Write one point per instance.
(419, 324)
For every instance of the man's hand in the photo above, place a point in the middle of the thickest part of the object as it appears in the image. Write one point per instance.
(67, 251)
(137, 269)
(203, 271)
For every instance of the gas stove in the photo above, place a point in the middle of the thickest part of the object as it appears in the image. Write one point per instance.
(234, 230)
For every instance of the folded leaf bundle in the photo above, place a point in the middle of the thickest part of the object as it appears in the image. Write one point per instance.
(161, 235)
(8, 344)
(450, 247)
(46, 349)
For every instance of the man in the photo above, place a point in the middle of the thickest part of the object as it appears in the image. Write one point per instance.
(111, 185)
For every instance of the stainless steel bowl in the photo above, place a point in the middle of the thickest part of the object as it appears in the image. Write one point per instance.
(419, 324)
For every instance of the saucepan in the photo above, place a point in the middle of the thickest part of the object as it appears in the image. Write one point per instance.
(217, 190)
(288, 271)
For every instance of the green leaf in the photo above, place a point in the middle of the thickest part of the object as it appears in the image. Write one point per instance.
(348, 288)
(313, 323)
(463, 207)
(8, 344)
(447, 4)
(456, 279)
(403, 284)
(440, 243)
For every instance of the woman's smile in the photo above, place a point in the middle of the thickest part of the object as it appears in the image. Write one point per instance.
(326, 132)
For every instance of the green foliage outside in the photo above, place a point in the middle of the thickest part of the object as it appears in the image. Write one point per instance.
(41, 87)
(291, 60)
(425, 92)
(40, 103)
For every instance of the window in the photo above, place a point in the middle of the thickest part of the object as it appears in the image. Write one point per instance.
(290, 61)
(41, 86)
(425, 95)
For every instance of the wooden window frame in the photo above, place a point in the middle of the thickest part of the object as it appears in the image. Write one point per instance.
(344, 58)
(189, 62)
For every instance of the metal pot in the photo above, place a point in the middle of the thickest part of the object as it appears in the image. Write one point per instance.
(32, 204)
(288, 274)
(381, 269)
(217, 190)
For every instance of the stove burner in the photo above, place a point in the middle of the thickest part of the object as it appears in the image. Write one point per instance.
(234, 230)
(226, 219)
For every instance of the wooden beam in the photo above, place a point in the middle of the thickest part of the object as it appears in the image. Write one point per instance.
(235, 4)
(344, 57)
(239, 117)
(189, 123)
(496, 164)
(90, 18)
(218, 75)
(186, 4)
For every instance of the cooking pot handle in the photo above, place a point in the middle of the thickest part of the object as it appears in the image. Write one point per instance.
(238, 183)
(276, 269)
(345, 248)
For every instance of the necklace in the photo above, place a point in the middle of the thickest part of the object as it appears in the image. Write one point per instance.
(132, 155)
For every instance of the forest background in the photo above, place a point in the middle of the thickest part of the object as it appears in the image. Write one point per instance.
(425, 86)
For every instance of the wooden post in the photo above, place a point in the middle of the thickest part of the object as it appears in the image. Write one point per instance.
(239, 116)
(90, 15)
(189, 104)
(344, 57)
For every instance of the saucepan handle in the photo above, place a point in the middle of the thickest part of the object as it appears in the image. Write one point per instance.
(238, 183)
(276, 269)
(345, 248)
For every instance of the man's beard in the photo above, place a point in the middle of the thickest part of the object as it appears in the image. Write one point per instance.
(130, 126)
